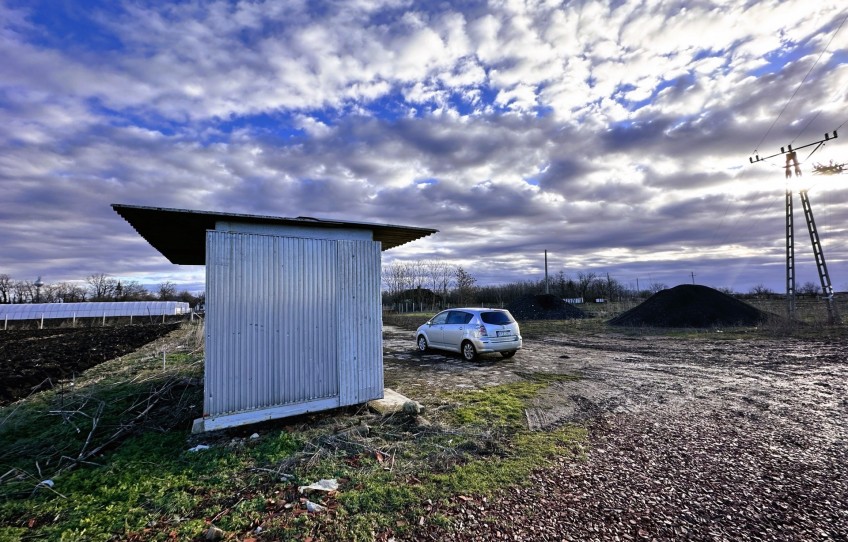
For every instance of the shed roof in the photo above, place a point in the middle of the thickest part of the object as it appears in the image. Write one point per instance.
(180, 234)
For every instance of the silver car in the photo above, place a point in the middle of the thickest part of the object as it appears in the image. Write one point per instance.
(471, 332)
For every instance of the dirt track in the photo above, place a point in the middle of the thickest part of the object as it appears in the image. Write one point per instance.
(696, 439)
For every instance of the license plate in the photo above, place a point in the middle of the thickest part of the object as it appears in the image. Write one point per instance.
(504, 333)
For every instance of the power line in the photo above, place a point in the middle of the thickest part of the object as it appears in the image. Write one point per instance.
(798, 88)
(808, 74)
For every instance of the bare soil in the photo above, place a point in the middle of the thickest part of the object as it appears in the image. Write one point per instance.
(690, 438)
(36, 359)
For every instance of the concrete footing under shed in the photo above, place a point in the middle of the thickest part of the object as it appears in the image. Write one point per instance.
(393, 402)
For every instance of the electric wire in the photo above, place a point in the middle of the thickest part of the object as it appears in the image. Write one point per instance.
(750, 204)
(808, 75)
(798, 88)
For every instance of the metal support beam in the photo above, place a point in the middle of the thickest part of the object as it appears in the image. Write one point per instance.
(783, 150)
(821, 265)
(790, 259)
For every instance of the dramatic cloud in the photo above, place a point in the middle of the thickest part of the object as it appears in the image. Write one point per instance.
(614, 135)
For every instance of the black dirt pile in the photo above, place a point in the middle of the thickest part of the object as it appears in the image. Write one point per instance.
(544, 307)
(690, 305)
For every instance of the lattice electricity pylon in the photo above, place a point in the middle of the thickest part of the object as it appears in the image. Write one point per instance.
(827, 288)
(821, 265)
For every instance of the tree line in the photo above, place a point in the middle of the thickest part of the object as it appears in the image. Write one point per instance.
(432, 285)
(97, 287)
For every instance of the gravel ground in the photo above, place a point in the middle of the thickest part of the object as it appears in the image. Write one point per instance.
(688, 440)
(711, 476)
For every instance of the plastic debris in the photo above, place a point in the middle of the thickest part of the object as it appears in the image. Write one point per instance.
(314, 507)
(45, 483)
(198, 448)
(254, 436)
(321, 485)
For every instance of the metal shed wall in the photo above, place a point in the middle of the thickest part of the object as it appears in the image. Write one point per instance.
(293, 325)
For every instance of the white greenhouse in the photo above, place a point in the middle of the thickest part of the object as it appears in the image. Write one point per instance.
(75, 311)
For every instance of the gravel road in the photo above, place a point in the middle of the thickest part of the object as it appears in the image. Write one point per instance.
(689, 439)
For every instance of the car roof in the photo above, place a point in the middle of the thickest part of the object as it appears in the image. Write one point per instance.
(475, 309)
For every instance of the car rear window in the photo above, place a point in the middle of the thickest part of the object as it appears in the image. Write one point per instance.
(496, 318)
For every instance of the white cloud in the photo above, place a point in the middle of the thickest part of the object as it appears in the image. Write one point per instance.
(276, 108)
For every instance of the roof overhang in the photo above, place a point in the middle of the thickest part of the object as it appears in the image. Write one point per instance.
(180, 234)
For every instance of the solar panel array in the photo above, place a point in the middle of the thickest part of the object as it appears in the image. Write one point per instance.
(107, 309)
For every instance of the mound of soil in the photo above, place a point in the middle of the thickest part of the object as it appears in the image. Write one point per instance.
(543, 307)
(40, 358)
(690, 305)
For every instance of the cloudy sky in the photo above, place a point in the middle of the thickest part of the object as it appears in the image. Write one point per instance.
(615, 135)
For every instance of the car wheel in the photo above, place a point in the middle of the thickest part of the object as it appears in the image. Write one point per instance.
(422, 343)
(469, 353)
(508, 354)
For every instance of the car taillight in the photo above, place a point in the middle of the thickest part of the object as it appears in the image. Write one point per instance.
(481, 331)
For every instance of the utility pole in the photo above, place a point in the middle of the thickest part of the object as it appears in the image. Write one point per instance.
(547, 286)
(693, 276)
(792, 165)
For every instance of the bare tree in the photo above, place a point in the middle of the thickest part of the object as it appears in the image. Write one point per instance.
(809, 288)
(655, 287)
(438, 277)
(168, 291)
(51, 293)
(134, 291)
(760, 290)
(584, 281)
(445, 280)
(70, 292)
(6, 288)
(464, 285)
(101, 287)
(416, 273)
(24, 291)
(394, 277)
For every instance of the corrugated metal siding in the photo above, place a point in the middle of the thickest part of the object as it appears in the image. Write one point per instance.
(360, 340)
(276, 311)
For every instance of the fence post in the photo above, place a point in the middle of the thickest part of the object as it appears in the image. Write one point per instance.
(42, 321)
(74, 323)
(104, 318)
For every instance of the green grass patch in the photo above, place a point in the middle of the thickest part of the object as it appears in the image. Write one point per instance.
(145, 484)
(500, 406)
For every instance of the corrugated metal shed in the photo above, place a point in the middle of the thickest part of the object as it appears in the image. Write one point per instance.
(293, 309)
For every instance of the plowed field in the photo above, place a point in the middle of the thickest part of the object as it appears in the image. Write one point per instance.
(32, 360)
